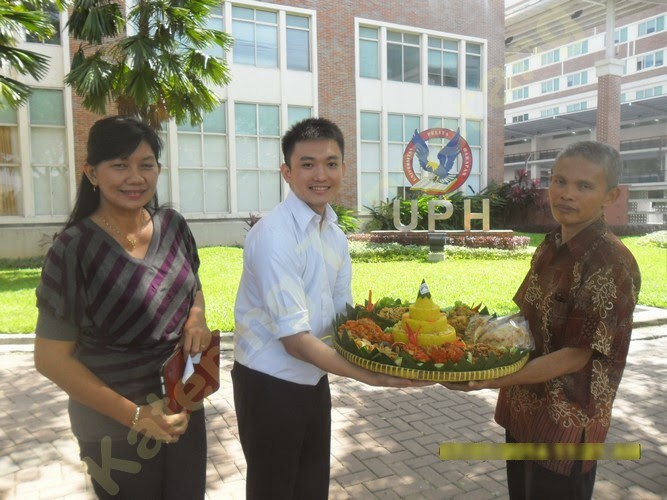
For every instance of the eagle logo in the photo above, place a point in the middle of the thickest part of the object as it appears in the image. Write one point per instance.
(436, 177)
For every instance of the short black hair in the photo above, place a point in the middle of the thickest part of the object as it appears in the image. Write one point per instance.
(599, 153)
(311, 129)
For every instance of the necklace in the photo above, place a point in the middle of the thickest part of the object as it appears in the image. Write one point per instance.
(132, 241)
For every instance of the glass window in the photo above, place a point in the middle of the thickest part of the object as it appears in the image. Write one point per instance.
(443, 62)
(442, 122)
(436, 144)
(370, 159)
(216, 22)
(621, 35)
(51, 12)
(474, 138)
(48, 152)
(520, 67)
(550, 86)
(298, 43)
(257, 157)
(577, 49)
(652, 26)
(255, 37)
(297, 113)
(654, 59)
(551, 57)
(403, 57)
(400, 130)
(203, 170)
(577, 79)
(369, 65)
(473, 66)
(11, 187)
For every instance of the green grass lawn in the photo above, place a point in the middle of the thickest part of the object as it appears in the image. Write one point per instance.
(492, 282)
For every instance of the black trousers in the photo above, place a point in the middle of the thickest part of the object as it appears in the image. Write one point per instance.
(148, 469)
(285, 432)
(526, 480)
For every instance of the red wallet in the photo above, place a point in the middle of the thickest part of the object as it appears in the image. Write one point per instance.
(202, 383)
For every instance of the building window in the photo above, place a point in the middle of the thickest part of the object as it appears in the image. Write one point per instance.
(215, 21)
(474, 138)
(520, 93)
(577, 49)
(400, 129)
(255, 37)
(203, 171)
(651, 26)
(549, 112)
(550, 86)
(369, 56)
(403, 57)
(551, 57)
(652, 92)
(48, 156)
(621, 35)
(577, 79)
(654, 59)
(578, 106)
(298, 42)
(11, 187)
(443, 62)
(51, 11)
(520, 67)
(441, 122)
(370, 159)
(257, 156)
(473, 66)
(297, 113)
(520, 118)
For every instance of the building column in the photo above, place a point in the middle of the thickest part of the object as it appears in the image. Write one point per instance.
(608, 126)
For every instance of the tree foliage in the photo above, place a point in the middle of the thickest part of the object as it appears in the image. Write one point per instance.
(155, 63)
(18, 19)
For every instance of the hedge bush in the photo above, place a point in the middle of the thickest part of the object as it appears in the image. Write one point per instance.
(508, 242)
(364, 251)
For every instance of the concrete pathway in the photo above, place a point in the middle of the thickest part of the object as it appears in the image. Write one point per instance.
(384, 443)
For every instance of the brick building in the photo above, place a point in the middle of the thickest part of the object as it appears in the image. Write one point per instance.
(380, 69)
(567, 79)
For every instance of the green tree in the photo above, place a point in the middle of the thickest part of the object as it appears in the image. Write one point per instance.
(29, 18)
(160, 70)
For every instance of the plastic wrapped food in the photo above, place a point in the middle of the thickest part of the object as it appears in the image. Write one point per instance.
(506, 331)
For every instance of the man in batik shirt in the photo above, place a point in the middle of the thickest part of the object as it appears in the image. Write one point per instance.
(578, 297)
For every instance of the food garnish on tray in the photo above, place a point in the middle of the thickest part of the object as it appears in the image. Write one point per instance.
(420, 340)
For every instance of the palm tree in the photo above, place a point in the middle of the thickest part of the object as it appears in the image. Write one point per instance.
(161, 70)
(17, 19)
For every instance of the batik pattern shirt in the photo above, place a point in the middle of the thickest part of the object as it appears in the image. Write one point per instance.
(578, 294)
(124, 314)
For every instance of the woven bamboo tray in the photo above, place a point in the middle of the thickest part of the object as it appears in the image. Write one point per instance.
(433, 375)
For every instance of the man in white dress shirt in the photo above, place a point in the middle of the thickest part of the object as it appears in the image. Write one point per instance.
(296, 278)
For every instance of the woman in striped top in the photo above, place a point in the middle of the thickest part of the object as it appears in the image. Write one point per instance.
(119, 291)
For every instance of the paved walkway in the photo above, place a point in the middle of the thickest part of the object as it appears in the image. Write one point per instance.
(384, 443)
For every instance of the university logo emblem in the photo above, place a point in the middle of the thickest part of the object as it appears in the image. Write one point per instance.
(436, 175)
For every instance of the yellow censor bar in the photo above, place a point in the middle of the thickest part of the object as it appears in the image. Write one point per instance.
(540, 451)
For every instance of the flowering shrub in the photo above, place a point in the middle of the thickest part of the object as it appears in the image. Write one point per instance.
(508, 242)
(523, 189)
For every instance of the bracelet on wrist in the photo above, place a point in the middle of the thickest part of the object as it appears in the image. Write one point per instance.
(135, 419)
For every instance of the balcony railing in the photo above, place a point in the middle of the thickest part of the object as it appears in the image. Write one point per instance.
(659, 142)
